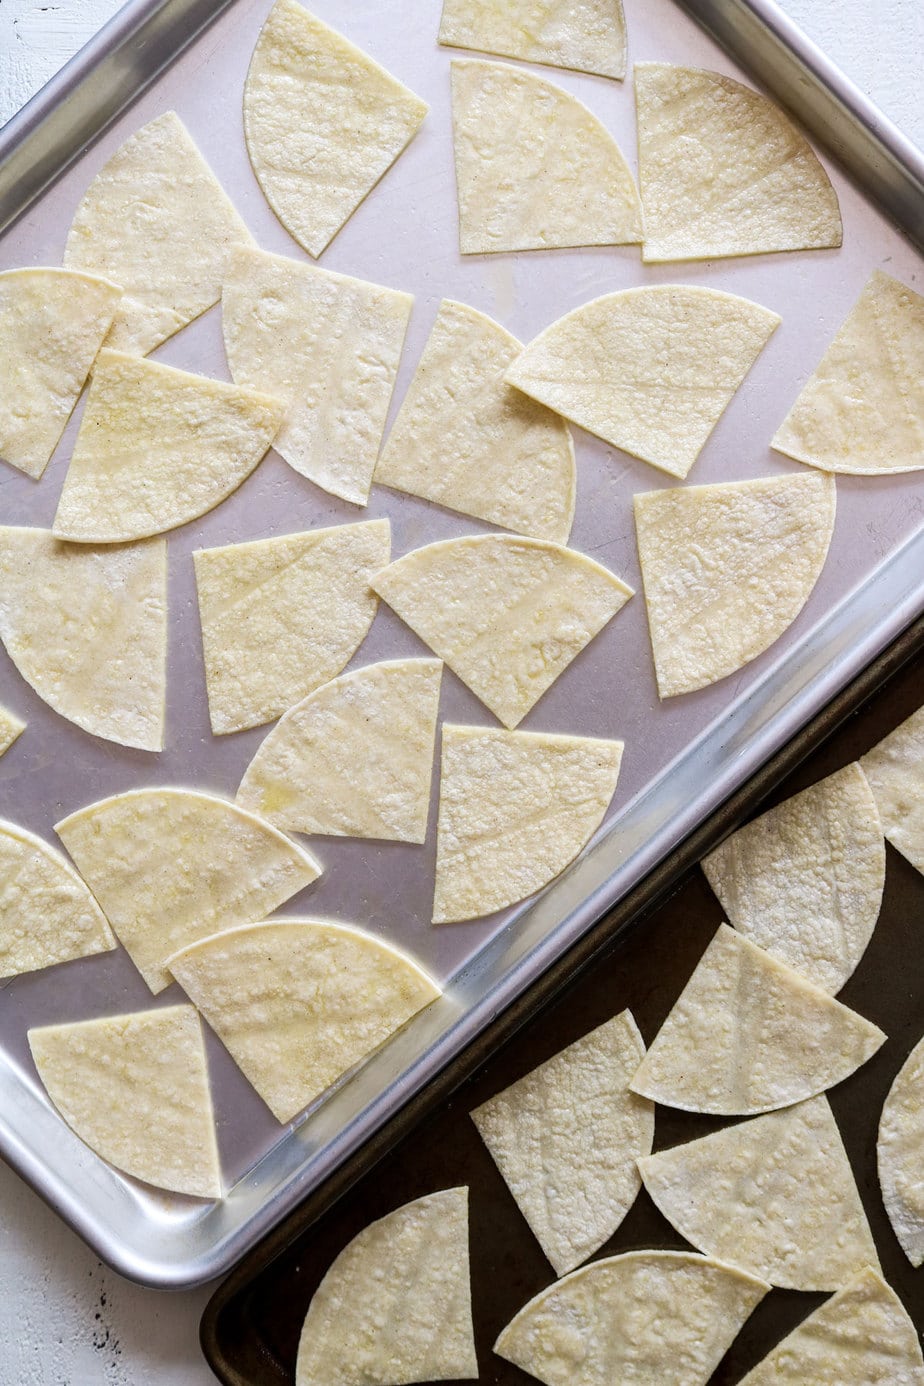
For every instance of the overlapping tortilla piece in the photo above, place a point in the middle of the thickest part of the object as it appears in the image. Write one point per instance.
(900, 1151)
(11, 727)
(299, 1002)
(584, 35)
(170, 866)
(467, 440)
(895, 771)
(282, 616)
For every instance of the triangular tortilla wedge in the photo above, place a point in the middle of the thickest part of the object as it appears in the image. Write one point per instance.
(507, 615)
(11, 727)
(566, 1137)
(282, 616)
(323, 123)
(727, 569)
(649, 370)
(52, 324)
(900, 1153)
(87, 629)
(723, 171)
(135, 1088)
(396, 1305)
(467, 440)
(895, 770)
(584, 35)
(535, 169)
(354, 758)
(170, 866)
(328, 346)
(299, 1002)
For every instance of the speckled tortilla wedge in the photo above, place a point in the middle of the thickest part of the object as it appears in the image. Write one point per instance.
(585, 35)
(11, 728)
(895, 771)
(900, 1153)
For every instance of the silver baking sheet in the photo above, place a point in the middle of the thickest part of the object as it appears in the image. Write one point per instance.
(682, 758)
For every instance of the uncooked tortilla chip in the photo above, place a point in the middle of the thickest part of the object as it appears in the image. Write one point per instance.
(507, 615)
(566, 1137)
(467, 440)
(298, 1002)
(354, 758)
(727, 569)
(535, 169)
(805, 880)
(282, 616)
(515, 809)
(723, 171)
(396, 1305)
(87, 628)
(585, 35)
(135, 1088)
(328, 346)
(52, 324)
(323, 123)
(895, 770)
(649, 370)
(11, 727)
(901, 1155)
(776, 1195)
(170, 866)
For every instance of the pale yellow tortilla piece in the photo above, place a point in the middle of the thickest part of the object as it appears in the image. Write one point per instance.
(282, 616)
(535, 169)
(584, 35)
(665, 1317)
(775, 1195)
(467, 440)
(396, 1304)
(170, 866)
(299, 1002)
(87, 629)
(515, 809)
(323, 123)
(328, 346)
(354, 758)
(566, 1137)
(507, 615)
(727, 569)
(895, 770)
(900, 1151)
(52, 324)
(135, 1089)
(723, 171)
(805, 880)
(11, 727)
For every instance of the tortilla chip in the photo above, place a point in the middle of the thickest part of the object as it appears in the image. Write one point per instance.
(723, 171)
(328, 346)
(467, 440)
(900, 1152)
(566, 1138)
(52, 324)
(507, 615)
(135, 1089)
(323, 123)
(584, 35)
(727, 569)
(396, 1305)
(298, 1002)
(805, 880)
(11, 727)
(170, 866)
(895, 770)
(535, 169)
(649, 370)
(280, 617)
(87, 629)
(751, 1193)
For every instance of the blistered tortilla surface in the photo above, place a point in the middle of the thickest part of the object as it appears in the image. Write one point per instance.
(895, 771)
(900, 1153)
(584, 35)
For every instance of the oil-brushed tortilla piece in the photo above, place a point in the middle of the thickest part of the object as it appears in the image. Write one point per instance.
(900, 1153)
(895, 771)
(11, 727)
(583, 35)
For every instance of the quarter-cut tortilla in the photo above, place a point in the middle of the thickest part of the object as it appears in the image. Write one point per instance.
(135, 1088)
(727, 569)
(535, 169)
(298, 1002)
(396, 1305)
(87, 628)
(515, 809)
(507, 615)
(901, 1155)
(11, 727)
(282, 616)
(566, 1137)
(775, 1195)
(895, 770)
(585, 35)
(52, 324)
(649, 370)
(723, 171)
(328, 346)
(354, 758)
(323, 123)
(805, 880)
(467, 440)
(170, 866)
